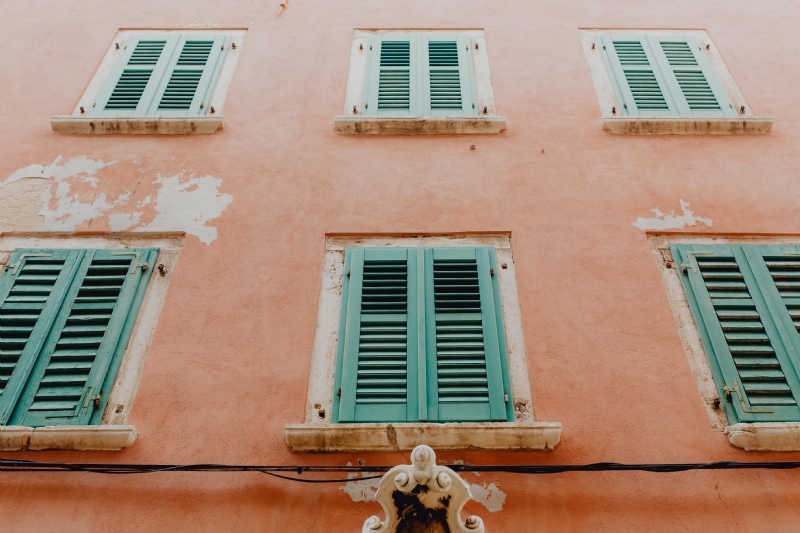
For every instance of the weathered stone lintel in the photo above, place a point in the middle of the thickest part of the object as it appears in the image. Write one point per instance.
(689, 126)
(137, 125)
(95, 438)
(360, 124)
(393, 437)
(765, 437)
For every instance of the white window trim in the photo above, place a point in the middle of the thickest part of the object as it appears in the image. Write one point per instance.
(318, 434)
(355, 122)
(113, 433)
(78, 122)
(745, 123)
(760, 436)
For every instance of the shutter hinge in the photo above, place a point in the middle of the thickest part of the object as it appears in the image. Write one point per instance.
(688, 264)
(491, 271)
(15, 267)
(90, 398)
(339, 392)
(729, 391)
(505, 397)
(135, 263)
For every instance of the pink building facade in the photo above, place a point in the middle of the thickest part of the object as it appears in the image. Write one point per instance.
(612, 183)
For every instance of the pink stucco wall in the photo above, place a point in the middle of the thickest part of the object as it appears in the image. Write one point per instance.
(230, 362)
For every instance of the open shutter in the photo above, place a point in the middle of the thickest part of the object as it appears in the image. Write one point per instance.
(379, 337)
(190, 76)
(91, 328)
(690, 77)
(131, 85)
(745, 341)
(392, 76)
(467, 361)
(640, 87)
(447, 77)
(31, 291)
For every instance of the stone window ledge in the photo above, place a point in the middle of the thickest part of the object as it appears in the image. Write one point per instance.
(419, 125)
(137, 125)
(689, 126)
(531, 436)
(765, 436)
(95, 438)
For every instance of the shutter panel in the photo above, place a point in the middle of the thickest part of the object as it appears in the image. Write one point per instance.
(132, 83)
(641, 89)
(448, 77)
(391, 77)
(691, 77)
(748, 356)
(66, 384)
(31, 291)
(190, 76)
(468, 363)
(379, 337)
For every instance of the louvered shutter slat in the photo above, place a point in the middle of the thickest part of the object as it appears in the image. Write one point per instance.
(89, 333)
(31, 291)
(740, 333)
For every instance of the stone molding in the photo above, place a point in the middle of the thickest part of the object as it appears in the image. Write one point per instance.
(423, 494)
(137, 125)
(359, 124)
(89, 438)
(511, 436)
(689, 126)
(765, 436)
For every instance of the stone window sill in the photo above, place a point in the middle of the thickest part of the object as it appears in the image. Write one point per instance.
(359, 124)
(689, 126)
(765, 437)
(137, 125)
(532, 436)
(94, 438)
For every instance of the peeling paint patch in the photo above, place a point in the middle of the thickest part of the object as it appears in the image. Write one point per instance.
(123, 221)
(361, 490)
(489, 496)
(671, 221)
(188, 205)
(77, 166)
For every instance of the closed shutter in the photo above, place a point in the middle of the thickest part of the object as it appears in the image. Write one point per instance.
(421, 337)
(87, 339)
(419, 74)
(31, 291)
(745, 327)
(190, 76)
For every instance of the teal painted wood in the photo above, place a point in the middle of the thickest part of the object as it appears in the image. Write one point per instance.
(417, 356)
(337, 382)
(469, 96)
(501, 336)
(431, 359)
(392, 76)
(130, 87)
(352, 334)
(448, 86)
(739, 333)
(691, 77)
(65, 386)
(31, 292)
(640, 86)
(189, 76)
(372, 72)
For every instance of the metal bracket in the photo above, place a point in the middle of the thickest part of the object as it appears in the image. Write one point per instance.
(22, 258)
(729, 391)
(89, 398)
(135, 263)
(689, 255)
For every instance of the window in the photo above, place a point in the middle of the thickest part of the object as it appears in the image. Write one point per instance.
(178, 77)
(409, 81)
(423, 337)
(656, 77)
(65, 319)
(745, 301)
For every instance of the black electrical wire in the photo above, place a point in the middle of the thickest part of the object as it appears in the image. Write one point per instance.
(17, 465)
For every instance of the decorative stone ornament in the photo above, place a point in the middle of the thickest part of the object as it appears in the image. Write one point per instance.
(423, 497)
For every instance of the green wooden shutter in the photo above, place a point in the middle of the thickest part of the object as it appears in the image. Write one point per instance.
(31, 291)
(380, 314)
(468, 364)
(90, 331)
(448, 87)
(743, 323)
(190, 76)
(131, 85)
(392, 76)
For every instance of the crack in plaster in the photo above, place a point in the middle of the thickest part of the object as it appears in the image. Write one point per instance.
(178, 202)
(671, 221)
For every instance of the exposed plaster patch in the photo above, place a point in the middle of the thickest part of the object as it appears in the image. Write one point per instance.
(77, 166)
(671, 221)
(360, 490)
(489, 496)
(123, 221)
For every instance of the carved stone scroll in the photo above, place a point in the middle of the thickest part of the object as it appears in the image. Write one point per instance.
(423, 497)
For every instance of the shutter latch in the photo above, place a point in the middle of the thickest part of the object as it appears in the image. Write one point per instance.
(729, 391)
(689, 264)
(89, 398)
(15, 267)
(135, 263)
